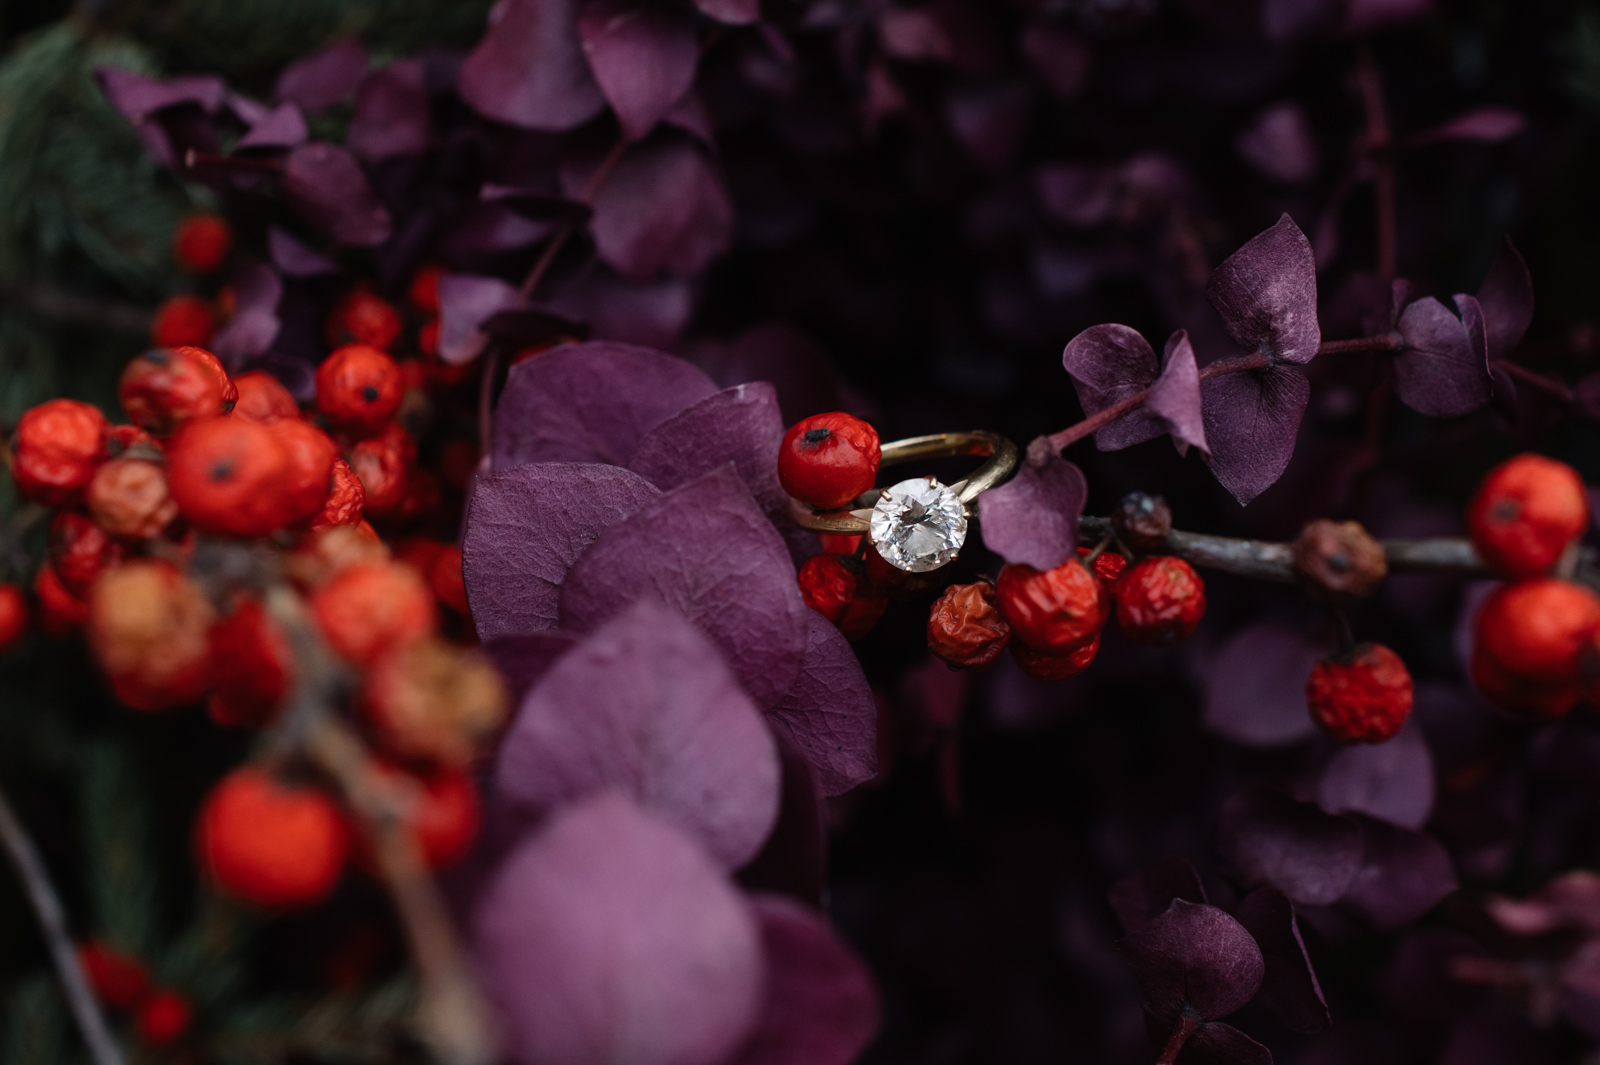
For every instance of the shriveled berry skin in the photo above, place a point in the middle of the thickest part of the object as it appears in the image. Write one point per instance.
(228, 477)
(1053, 611)
(263, 398)
(1361, 696)
(383, 466)
(345, 501)
(60, 612)
(1526, 512)
(163, 1017)
(129, 498)
(183, 320)
(1518, 697)
(273, 844)
(166, 388)
(1537, 630)
(966, 628)
(202, 243)
(1054, 667)
(148, 625)
(839, 594)
(13, 615)
(829, 459)
(119, 980)
(359, 388)
(1108, 566)
(311, 453)
(259, 667)
(363, 317)
(56, 449)
(80, 551)
(1160, 601)
(367, 608)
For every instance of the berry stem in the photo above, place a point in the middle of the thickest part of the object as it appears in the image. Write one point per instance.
(1180, 1035)
(53, 925)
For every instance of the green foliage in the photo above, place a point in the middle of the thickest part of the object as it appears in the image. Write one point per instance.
(33, 1026)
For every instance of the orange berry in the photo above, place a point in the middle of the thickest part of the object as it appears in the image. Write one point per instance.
(1525, 513)
(346, 499)
(828, 459)
(966, 628)
(230, 476)
(1538, 630)
(1053, 611)
(55, 451)
(311, 454)
(428, 699)
(1518, 697)
(274, 844)
(202, 243)
(367, 608)
(383, 466)
(128, 497)
(148, 626)
(359, 388)
(362, 317)
(841, 595)
(168, 387)
(263, 398)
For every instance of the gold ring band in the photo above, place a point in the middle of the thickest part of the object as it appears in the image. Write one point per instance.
(1002, 454)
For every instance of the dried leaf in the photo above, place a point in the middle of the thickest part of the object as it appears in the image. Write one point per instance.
(392, 113)
(1269, 838)
(1443, 370)
(644, 57)
(326, 185)
(1251, 421)
(1266, 293)
(1256, 691)
(1391, 781)
(529, 69)
(1290, 988)
(1194, 957)
(323, 78)
(829, 713)
(1033, 518)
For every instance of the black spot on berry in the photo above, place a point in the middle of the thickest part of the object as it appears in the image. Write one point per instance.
(370, 394)
(222, 471)
(817, 436)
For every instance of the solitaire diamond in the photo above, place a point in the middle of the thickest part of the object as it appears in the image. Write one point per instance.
(919, 525)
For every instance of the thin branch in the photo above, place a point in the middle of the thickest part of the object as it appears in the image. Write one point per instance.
(1560, 389)
(1369, 80)
(1187, 1024)
(53, 924)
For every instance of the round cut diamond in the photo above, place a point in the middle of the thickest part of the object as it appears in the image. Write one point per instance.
(919, 525)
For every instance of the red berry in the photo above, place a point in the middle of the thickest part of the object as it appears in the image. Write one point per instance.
(1054, 667)
(165, 389)
(1160, 601)
(364, 318)
(274, 844)
(259, 667)
(443, 810)
(359, 388)
(148, 626)
(448, 582)
(201, 243)
(263, 398)
(428, 340)
(1360, 696)
(60, 612)
(367, 608)
(1532, 702)
(57, 446)
(1538, 630)
(383, 466)
(125, 438)
(183, 320)
(424, 289)
(163, 1017)
(119, 980)
(229, 477)
(839, 543)
(343, 505)
(128, 497)
(966, 628)
(833, 590)
(80, 551)
(311, 454)
(1526, 512)
(828, 459)
(1053, 611)
(13, 615)
(1108, 566)
(432, 701)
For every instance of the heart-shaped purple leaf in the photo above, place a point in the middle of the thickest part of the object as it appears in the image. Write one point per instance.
(708, 551)
(323, 78)
(590, 403)
(1251, 421)
(644, 57)
(662, 208)
(1256, 691)
(821, 1006)
(1108, 364)
(1033, 518)
(829, 713)
(1506, 298)
(646, 705)
(1403, 875)
(1174, 405)
(1269, 838)
(1391, 781)
(525, 528)
(1194, 957)
(294, 259)
(1443, 370)
(391, 113)
(257, 290)
(282, 127)
(139, 97)
(1141, 897)
(325, 184)
(466, 301)
(1266, 293)
(739, 425)
(1290, 989)
(529, 69)
(610, 936)
(523, 659)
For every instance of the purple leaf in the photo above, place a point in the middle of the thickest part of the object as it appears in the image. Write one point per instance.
(1222, 1044)
(610, 936)
(1251, 420)
(652, 314)
(1063, 60)
(707, 550)
(391, 115)
(1141, 897)
(1403, 875)
(1269, 838)
(466, 301)
(1487, 125)
(691, 115)
(323, 78)
(1364, 16)
(821, 1006)
(739, 425)
(525, 528)
(1290, 988)
(663, 207)
(282, 127)
(1033, 518)
(523, 659)
(643, 56)
(590, 403)
(294, 259)
(1281, 145)
(736, 12)
(489, 229)
(989, 120)
(257, 290)
(325, 184)
(245, 109)
(1266, 293)
(1082, 195)
(1194, 957)
(1174, 404)
(139, 97)
(1108, 364)
(1391, 781)
(794, 859)
(645, 705)
(1256, 692)
(1443, 370)
(537, 203)
(1506, 298)
(529, 69)
(829, 713)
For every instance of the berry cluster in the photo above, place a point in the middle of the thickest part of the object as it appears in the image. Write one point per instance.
(121, 981)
